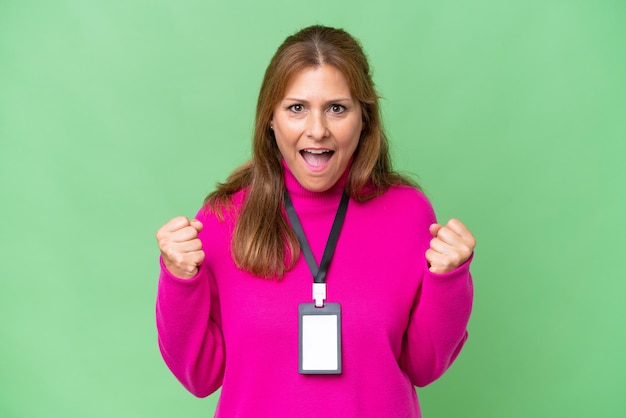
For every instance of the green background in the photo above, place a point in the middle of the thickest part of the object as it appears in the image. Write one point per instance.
(118, 115)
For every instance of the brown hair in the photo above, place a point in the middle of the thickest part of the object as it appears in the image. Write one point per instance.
(263, 243)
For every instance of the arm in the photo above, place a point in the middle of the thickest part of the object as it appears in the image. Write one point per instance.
(190, 340)
(437, 327)
(438, 324)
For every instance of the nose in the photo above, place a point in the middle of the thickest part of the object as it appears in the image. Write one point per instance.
(317, 128)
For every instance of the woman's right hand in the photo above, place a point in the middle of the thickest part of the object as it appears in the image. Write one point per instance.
(180, 247)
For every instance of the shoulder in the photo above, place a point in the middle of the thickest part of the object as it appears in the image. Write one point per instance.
(403, 209)
(398, 205)
(218, 226)
(402, 199)
(223, 210)
(402, 214)
(220, 219)
(406, 194)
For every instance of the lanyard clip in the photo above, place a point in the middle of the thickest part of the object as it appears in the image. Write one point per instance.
(319, 294)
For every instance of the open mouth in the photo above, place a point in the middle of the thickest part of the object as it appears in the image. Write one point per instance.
(316, 157)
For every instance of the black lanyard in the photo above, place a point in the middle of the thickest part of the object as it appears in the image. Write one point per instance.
(319, 273)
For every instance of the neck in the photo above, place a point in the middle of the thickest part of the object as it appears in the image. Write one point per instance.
(297, 191)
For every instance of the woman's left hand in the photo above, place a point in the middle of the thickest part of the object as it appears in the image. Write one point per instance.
(451, 246)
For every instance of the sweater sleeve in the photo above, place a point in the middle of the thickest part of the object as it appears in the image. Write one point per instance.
(438, 324)
(190, 338)
(437, 328)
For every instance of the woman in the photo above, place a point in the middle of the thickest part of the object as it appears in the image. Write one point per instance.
(232, 279)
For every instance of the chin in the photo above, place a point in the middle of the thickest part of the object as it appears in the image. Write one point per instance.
(318, 186)
(318, 182)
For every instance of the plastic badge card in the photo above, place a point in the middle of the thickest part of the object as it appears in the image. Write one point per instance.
(320, 339)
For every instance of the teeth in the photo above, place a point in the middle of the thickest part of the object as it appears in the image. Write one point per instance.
(317, 151)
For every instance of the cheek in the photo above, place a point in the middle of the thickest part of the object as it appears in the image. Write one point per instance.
(352, 136)
(280, 143)
(285, 143)
(287, 130)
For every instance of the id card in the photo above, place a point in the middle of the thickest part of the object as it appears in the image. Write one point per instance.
(319, 344)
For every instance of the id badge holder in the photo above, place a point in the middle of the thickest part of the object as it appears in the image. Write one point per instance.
(319, 347)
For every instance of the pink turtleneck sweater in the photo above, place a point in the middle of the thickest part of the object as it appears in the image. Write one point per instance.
(402, 325)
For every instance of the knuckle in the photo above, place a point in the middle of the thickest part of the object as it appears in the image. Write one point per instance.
(179, 260)
(162, 232)
(193, 232)
(164, 247)
(181, 220)
(456, 259)
(178, 222)
(175, 256)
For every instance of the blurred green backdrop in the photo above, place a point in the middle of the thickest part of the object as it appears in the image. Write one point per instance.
(118, 115)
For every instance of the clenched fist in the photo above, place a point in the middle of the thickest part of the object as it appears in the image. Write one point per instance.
(451, 246)
(180, 247)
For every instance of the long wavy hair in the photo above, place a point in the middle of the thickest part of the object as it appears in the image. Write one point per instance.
(263, 243)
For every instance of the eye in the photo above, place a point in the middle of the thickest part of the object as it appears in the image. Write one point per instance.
(336, 108)
(296, 108)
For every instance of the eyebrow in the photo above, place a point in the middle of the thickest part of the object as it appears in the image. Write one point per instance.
(295, 99)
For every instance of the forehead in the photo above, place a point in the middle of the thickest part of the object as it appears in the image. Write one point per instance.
(319, 80)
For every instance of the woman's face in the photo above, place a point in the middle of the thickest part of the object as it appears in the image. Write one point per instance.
(317, 126)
